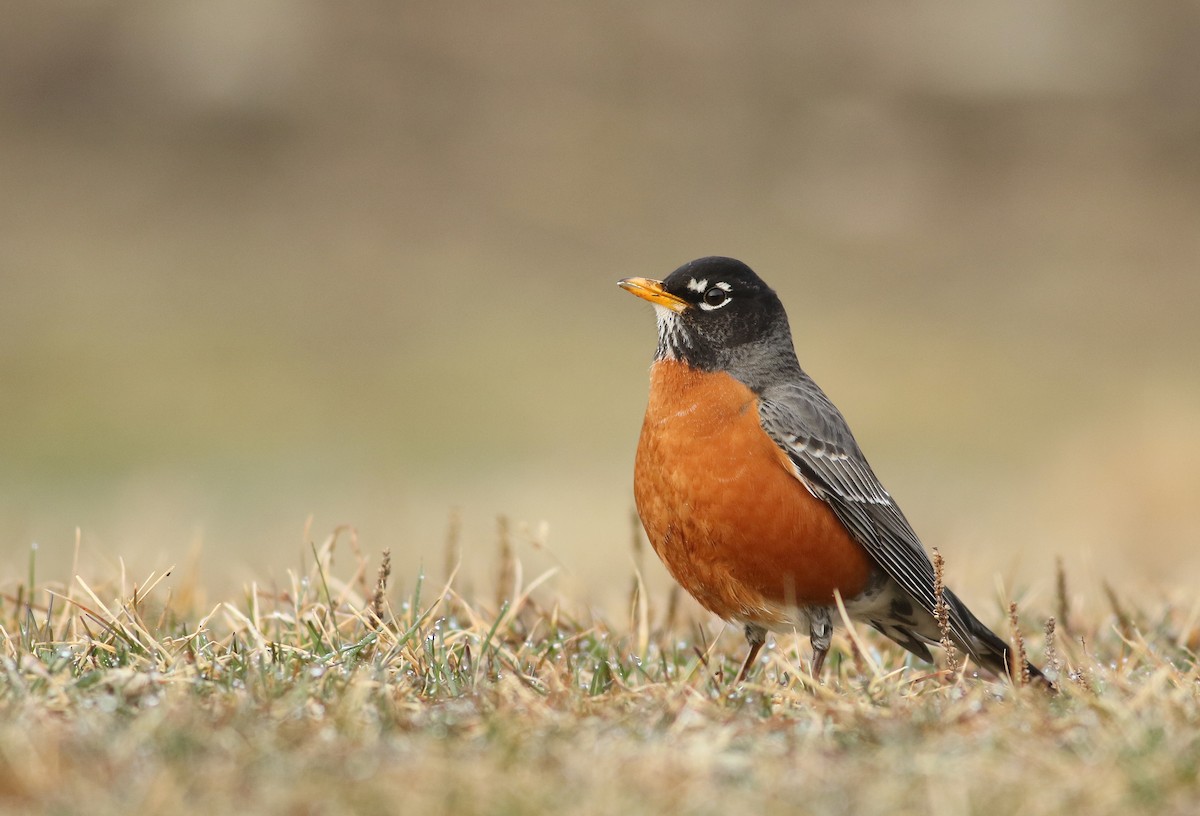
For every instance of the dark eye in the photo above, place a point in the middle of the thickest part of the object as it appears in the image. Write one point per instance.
(716, 296)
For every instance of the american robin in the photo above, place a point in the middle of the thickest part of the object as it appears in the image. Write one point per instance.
(753, 491)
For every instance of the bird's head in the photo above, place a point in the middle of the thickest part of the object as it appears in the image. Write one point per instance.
(715, 314)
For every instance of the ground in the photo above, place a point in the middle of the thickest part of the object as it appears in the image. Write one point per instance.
(342, 694)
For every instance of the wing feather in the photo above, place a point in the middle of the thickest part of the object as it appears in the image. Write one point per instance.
(815, 436)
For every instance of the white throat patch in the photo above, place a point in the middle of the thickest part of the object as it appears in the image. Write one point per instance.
(671, 336)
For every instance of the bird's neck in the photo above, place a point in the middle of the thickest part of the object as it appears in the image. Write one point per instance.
(757, 365)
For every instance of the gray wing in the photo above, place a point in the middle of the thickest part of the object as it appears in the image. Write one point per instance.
(815, 436)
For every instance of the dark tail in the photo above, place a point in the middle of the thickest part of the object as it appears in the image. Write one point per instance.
(986, 647)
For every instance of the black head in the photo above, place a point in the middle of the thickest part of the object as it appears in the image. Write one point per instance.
(715, 314)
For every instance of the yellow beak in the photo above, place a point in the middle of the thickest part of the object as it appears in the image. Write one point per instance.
(654, 292)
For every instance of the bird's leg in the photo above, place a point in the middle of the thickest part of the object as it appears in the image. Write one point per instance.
(820, 633)
(756, 636)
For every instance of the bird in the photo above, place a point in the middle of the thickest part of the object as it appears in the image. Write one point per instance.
(754, 493)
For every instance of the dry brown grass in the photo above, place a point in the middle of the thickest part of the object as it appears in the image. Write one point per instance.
(299, 699)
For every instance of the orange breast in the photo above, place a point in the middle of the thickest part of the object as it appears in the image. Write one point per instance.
(723, 511)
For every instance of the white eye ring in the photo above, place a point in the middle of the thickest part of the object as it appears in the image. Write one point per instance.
(716, 297)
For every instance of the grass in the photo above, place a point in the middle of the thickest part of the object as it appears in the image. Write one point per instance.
(336, 693)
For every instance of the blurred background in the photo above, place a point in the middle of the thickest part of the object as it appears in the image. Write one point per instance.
(269, 268)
